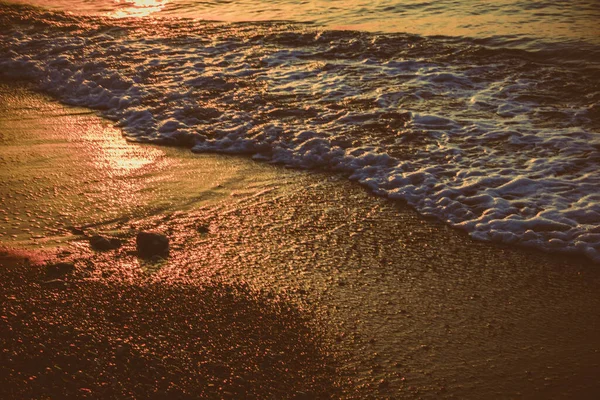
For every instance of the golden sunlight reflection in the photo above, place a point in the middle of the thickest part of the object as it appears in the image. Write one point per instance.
(138, 8)
(65, 167)
(109, 152)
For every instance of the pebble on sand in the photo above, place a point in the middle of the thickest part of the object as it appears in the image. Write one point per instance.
(150, 244)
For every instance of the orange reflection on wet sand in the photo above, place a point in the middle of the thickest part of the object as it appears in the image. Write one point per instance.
(65, 166)
(110, 153)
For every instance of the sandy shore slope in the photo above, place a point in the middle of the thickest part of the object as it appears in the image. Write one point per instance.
(412, 308)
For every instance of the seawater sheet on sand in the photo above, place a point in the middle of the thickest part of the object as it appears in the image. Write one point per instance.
(502, 143)
(65, 167)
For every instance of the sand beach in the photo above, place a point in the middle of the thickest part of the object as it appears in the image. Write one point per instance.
(280, 283)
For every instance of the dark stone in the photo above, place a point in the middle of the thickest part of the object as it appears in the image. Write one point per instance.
(59, 269)
(150, 244)
(102, 243)
(203, 229)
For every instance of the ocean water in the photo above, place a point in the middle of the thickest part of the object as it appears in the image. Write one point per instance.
(485, 115)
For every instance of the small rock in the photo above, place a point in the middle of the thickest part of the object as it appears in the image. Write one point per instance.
(59, 269)
(102, 243)
(203, 229)
(150, 244)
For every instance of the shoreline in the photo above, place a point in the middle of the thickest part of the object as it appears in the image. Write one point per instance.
(415, 308)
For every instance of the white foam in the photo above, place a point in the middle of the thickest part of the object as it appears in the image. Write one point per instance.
(468, 147)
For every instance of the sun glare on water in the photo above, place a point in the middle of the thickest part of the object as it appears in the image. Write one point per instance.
(138, 8)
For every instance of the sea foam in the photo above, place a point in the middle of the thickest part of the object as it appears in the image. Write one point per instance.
(504, 146)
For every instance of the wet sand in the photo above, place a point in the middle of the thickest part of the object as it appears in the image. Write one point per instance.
(74, 337)
(64, 166)
(409, 308)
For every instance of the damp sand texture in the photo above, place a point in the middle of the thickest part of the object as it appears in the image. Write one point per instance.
(412, 308)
